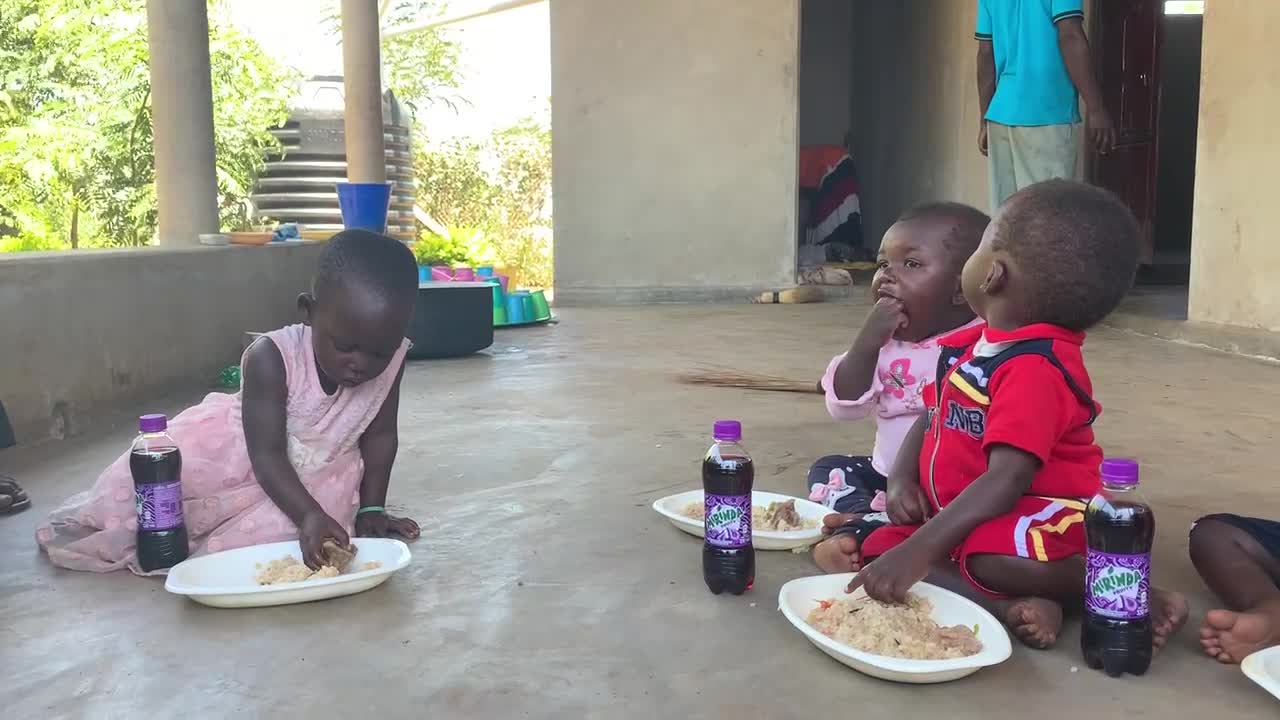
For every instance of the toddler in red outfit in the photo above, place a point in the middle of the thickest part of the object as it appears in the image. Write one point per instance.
(986, 496)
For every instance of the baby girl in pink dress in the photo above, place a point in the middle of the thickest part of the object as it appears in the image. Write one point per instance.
(918, 300)
(304, 451)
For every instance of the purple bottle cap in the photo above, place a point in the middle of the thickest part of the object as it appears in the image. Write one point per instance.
(1120, 471)
(727, 430)
(153, 423)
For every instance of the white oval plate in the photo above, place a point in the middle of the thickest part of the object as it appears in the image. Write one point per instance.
(798, 597)
(1263, 667)
(671, 505)
(226, 579)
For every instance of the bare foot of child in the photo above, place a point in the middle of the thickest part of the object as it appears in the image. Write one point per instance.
(1168, 613)
(1230, 637)
(1035, 621)
(838, 554)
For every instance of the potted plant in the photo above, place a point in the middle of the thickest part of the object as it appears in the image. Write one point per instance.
(244, 229)
(450, 319)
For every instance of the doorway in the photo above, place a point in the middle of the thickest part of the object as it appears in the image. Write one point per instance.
(829, 201)
(1148, 59)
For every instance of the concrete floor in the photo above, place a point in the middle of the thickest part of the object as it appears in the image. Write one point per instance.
(545, 587)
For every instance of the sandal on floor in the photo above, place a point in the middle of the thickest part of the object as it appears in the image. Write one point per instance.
(12, 497)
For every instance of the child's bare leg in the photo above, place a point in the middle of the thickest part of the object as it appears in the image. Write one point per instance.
(1060, 582)
(1037, 590)
(1035, 621)
(1245, 575)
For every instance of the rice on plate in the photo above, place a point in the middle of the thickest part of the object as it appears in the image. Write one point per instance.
(902, 631)
(775, 517)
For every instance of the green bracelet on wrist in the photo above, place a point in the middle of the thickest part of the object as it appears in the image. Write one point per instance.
(371, 508)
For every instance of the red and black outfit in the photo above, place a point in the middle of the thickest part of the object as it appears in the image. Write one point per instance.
(1027, 389)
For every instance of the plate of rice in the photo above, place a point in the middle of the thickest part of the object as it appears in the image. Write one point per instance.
(936, 637)
(273, 574)
(778, 522)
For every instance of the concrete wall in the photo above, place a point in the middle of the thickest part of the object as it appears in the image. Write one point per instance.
(1235, 259)
(674, 139)
(81, 331)
(826, 70)
(915, 107)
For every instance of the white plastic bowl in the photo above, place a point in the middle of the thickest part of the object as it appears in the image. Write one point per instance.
(671, 505)
(226, 579)
(798, 597)
(1263, 667)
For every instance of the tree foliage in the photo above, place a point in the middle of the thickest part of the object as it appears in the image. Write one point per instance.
(76, 145)
(500, 187)
(421, 68)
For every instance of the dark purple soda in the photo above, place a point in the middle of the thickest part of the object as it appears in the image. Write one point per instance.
(1116, 636)
(728, 558)
(156, 465)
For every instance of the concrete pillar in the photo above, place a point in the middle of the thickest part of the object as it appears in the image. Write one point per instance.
(362, 79)
(182, 120)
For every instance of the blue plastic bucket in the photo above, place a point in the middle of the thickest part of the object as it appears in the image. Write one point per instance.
(364, 205)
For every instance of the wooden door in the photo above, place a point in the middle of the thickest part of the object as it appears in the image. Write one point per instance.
(1126, 47)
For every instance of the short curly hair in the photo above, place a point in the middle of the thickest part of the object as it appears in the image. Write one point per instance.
(1077, 244)
(371, 260)
(968, 225)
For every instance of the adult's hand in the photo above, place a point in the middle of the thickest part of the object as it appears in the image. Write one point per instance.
(982, 138)
(1102, 132)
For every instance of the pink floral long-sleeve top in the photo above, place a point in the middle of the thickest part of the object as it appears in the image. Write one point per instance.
(902, 371)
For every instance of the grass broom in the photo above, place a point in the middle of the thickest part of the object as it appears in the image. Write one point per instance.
(722, 377)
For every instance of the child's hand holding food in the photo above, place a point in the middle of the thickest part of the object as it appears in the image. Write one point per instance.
(315, 528)
(887, 316)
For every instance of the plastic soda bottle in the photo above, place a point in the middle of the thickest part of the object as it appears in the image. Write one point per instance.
(1120, 526)
(156, 465)
(728, 558)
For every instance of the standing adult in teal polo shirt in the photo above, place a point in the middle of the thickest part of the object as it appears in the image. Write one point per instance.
(1033, 65)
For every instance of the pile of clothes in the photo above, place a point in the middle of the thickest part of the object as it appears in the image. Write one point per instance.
(830, 184)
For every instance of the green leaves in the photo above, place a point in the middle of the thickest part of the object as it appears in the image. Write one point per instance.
(495, 198)
(75, 120)
(432, 249)
(421, 68)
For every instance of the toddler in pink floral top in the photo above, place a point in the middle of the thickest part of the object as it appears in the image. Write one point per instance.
(895, 354)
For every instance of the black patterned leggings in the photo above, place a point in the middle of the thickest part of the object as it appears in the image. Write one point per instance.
(844, 483)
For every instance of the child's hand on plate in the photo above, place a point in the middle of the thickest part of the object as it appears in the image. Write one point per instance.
(381, 525)
(890, 576)
(315, 528)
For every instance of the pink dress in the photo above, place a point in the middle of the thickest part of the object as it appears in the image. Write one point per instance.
(902, 371)
(223, 504)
